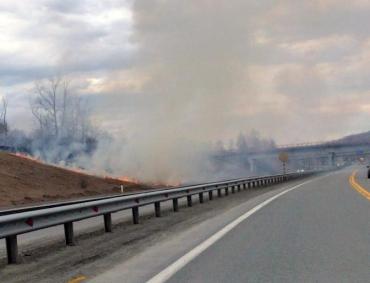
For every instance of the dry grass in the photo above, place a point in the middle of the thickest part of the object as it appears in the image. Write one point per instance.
(24, 181)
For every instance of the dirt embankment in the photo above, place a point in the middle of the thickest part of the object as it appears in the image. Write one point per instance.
(25, 181)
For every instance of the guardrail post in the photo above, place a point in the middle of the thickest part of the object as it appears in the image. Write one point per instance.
(227, 191)
(239, 187)
(175, 203)
(249, 185)
(219, 194)
(233, 189)
(201, 200)
(157, 208)
(210, 195)
(190, 201)
(68, 232)
(12, 249)
(108, 222)
(135, 215)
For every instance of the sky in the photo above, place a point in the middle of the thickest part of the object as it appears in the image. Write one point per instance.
(201, 70)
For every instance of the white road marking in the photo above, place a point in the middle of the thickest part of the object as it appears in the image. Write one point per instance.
(169, 271)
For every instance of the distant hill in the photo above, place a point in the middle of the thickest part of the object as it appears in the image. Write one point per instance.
(361, 138)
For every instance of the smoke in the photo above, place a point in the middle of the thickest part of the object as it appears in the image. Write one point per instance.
(193, 58)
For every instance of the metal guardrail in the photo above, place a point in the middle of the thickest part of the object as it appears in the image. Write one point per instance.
(87, 199)
(36, 218)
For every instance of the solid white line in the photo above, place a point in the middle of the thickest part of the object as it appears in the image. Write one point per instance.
(169, 271)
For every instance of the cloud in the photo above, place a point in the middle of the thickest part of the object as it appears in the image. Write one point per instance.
(62, 36)
(198, 69)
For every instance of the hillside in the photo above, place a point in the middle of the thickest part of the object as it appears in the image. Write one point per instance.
(25, 181)
(361, 138)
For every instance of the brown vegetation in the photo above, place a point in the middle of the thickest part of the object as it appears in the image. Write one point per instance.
(24, 181)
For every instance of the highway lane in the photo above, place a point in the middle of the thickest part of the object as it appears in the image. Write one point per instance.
(317, 233)
(147, 263)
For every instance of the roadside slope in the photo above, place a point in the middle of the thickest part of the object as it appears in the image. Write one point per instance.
(24, 181)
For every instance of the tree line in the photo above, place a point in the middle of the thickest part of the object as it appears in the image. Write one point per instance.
(63, 126)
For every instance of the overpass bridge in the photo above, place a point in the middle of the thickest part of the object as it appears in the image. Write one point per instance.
(313, 156)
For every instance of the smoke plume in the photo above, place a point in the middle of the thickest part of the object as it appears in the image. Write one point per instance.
(192, 57)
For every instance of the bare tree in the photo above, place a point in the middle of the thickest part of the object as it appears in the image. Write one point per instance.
(59, 112)
(64, 128)
(3, 117)
(45, 105)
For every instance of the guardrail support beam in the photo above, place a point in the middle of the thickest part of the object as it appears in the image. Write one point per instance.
(175, 203)
(135, 215)
(108, 222)
(157, 208)
(68, 232)
(210, 195)
(201, 199)
(190, 201)
(12, 249)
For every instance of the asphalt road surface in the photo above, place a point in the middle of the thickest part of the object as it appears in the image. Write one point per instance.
(318, 231)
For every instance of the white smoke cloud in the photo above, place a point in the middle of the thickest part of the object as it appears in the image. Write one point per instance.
(195, 71)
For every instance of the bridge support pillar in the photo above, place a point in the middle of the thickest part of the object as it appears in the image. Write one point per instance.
(332, 159)
(252, 165)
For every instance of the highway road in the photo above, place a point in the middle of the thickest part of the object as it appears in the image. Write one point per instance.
(316, 230)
